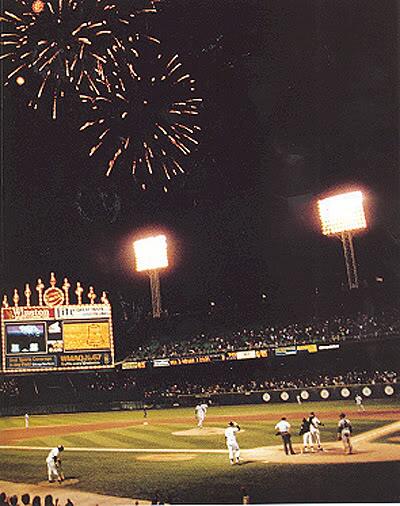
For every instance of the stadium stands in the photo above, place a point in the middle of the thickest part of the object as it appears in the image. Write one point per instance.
(336, 329)
(361, 336)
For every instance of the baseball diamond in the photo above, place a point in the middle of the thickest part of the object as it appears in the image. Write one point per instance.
(136, 460)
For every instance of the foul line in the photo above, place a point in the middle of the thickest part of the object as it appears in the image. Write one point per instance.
(373, 434)
(120, 450)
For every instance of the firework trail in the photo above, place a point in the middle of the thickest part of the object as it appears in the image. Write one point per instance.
(64, 42)
(146, 118)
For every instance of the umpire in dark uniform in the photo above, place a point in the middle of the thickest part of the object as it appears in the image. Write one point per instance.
(283, 429)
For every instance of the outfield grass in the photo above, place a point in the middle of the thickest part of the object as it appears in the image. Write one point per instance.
(233, 412)
(208, 478)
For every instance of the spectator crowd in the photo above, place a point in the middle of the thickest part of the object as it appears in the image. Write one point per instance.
(26, 499)
(336, 329)
(272, 383)
(8, 388)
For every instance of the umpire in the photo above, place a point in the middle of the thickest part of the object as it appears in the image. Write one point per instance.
(283, 429)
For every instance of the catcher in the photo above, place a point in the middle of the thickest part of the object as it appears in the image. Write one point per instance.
(344, 433)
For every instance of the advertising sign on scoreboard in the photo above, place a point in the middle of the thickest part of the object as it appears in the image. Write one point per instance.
(56, 337)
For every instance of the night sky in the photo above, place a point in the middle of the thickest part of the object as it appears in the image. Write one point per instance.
(300, 98)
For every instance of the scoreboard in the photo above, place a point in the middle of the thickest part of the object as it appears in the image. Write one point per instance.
(57, 338)
(54, 336)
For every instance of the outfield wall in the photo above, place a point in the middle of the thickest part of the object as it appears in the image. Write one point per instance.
(283, 396)
(314, 394)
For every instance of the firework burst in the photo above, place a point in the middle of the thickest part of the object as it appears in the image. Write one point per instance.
(146, 118)
(63, 42)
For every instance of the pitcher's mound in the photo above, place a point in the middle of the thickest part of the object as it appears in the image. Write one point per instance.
(65, 483)
(165, 457)
(205, 431)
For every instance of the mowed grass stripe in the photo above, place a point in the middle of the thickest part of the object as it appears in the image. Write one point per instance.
(67, 440)
(152, 437)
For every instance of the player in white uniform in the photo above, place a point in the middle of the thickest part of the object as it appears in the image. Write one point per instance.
(26, 421)
(200, 413)
(315, 423)
(359, 403)
(52, 464)
(231, 442)
(344, 433)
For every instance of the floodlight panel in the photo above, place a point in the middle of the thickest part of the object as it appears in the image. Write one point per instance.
(341, 213)
(151, 253)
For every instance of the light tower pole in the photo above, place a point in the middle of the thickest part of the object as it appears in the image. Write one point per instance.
(155, 293)
(340, 216)
(151, 256)
(349, 258)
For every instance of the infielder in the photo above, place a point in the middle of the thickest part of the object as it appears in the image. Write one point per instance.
(359, 403)
(26, 421)
(345, 431)
(307, 439)
(200, 412)
(315, 423)
(54, 464)
(231, 442)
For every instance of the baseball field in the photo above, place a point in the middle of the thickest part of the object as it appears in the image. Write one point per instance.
(124, 454)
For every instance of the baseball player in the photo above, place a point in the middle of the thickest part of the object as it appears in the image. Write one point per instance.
(307, 439)
(359, 402)
(298, 399)
(345, 431)
(315, 423)
(231, 442)
(200, 413)
(54, 464)
(26, 421)
(283, 429)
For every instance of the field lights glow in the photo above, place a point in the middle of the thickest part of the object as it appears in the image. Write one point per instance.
(151, 253)
(342, 213)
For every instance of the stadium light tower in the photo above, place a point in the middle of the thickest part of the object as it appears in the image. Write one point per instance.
(342, 215)
(151, 256)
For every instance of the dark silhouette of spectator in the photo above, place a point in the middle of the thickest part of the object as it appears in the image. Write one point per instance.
(26, 499)
(245, 495)
(156, 499)
(48, 500)
(36, 501)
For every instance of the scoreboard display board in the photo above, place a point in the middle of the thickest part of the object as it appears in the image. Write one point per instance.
(60, 338)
